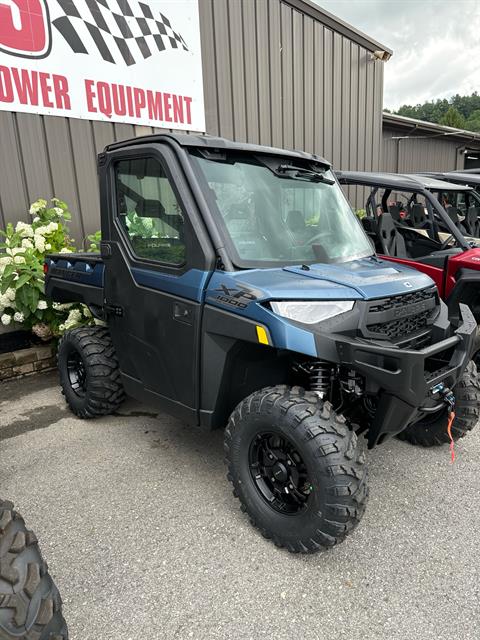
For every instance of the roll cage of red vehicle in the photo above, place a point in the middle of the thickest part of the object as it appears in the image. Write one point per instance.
(419, 231)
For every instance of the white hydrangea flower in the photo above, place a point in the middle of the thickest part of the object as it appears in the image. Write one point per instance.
(37, 206)
(27, 244)
(48, 246)
(40, 243)
(19, 260)
(18, 317)
(42, 304)
(24, 229)
(65, 250)
(6, 319)
(3, 263)
(58, 211)
(74, 318)
(65, 306)
(10, 294)
(36, 219)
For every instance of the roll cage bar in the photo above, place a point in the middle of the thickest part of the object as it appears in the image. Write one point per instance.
(394, 182)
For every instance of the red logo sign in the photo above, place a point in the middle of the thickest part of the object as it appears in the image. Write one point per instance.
(25, 28)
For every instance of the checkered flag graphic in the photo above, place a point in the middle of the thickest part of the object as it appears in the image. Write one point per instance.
(122, 31)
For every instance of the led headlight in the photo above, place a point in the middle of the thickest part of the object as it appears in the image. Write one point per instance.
(311, 312)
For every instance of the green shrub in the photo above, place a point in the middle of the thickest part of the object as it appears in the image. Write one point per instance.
(22, 254)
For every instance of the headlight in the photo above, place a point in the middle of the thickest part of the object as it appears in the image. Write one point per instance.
(311, 312)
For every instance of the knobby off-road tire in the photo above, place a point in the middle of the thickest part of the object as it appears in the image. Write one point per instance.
(89, 372)
(337, 476)
(30, 605)
(432, 430)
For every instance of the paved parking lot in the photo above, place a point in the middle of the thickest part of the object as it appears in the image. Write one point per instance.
(145, 540)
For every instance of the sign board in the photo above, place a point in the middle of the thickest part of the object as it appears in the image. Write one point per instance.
(135, 61)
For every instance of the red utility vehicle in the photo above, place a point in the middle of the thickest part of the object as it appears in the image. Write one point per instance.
(408, 224)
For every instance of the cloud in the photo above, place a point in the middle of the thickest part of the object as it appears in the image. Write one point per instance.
(436, 47)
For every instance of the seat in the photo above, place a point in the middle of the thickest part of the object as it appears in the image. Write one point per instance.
(418, 216)
(453, 215)
(245, 235)
(472, 222)
(394, 211)
(296, 223)
(391, 239)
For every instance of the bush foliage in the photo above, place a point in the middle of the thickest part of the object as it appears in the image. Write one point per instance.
(22, 255)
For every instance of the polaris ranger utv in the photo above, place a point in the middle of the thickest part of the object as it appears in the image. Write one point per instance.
(238, 288)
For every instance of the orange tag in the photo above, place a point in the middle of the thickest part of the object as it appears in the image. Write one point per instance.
(451, 418)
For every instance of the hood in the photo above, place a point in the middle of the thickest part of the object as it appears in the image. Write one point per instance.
(366, 278)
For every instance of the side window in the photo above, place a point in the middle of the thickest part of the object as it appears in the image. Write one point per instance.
(149, 211)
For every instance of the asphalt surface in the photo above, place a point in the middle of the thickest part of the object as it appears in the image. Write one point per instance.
(146, 541)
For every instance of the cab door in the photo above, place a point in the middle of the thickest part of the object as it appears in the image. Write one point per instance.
(158, 260)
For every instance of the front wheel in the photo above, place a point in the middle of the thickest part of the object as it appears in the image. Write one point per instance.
(431, 430)
(296, 468)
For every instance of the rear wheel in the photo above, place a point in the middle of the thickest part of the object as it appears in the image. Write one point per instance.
(89, 372)
(296, 468)
(432, 429)
(30, 605)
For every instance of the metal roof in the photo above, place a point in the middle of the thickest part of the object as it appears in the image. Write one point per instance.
(414, 126)
(459, 177)
(214, 142)
(337, 24)
(398, 181)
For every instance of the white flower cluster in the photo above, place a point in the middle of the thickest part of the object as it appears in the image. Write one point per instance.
(7, 300)
(24, 229)
(37, 206)
(74, 318)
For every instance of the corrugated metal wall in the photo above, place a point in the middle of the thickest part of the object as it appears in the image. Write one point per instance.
(420, 154)
(272, 74)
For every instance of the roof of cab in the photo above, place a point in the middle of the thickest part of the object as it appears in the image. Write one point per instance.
(400, 181)
(213, 142)
(455, 176)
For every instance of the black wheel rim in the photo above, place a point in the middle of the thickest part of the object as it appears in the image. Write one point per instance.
(279, 473)
(76, 373)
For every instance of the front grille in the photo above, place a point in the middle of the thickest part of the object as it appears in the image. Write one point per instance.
(402, 315)
(402, 327)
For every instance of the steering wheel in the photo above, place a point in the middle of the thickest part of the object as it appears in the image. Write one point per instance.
(317, 236)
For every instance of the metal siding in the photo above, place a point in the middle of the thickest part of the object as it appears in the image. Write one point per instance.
(407, 155)
(309, 84)
(13, 190)
(273, 74)
(250, 67)
(263, 73)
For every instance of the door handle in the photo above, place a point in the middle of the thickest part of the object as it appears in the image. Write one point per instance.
(182, 313)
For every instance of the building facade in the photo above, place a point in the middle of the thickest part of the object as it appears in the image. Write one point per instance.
(278, 72)
(411, 145)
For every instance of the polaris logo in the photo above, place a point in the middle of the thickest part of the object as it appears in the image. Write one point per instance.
(408, 284)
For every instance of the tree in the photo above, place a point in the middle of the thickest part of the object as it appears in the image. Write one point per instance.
(473, 121)
(453, 118)
(462, 112)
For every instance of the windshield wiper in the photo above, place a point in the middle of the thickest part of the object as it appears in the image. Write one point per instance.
(304, 173)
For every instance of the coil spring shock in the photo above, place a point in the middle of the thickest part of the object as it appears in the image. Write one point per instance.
(320, 378)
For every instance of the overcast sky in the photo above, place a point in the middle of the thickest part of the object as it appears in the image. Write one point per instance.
(436, 44)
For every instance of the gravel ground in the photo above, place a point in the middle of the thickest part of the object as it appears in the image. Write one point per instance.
(145, 539)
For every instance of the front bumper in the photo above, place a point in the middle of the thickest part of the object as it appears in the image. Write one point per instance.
(403, 379)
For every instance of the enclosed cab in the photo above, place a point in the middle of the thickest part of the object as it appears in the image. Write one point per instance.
(236, 288)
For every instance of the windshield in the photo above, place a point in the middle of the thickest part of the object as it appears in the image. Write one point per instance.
(272, 213)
